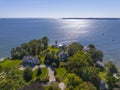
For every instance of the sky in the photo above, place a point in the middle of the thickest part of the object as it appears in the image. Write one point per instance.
(59, 8)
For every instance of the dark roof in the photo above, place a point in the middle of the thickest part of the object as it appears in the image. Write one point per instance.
(61, 53)
(103, 85)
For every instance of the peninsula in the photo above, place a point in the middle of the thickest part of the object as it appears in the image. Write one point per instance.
(36, 65)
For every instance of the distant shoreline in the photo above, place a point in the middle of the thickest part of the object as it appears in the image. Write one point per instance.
(95, 18)
(98, 18)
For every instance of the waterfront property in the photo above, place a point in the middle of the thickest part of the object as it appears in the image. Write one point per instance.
(30, 60)
(62, 55)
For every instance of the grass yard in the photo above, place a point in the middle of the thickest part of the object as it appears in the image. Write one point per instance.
(9, 63)
(64, 77)
(34, 74)
(42, 59)
(60, 72)
(44, 73)
(53, 49)
(103, 76)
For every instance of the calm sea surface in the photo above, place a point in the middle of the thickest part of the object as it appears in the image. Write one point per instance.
(105, 34)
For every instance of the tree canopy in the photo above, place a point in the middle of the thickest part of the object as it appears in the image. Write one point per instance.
(27, 74)
(86, 86)
(34, 47)
(0, 68)
(96, 55)
(13, 80)
(72, 81)
(90, 74)
(79, 60)
(73, 48)
(54, 86)
(36, 85)
(111, 68)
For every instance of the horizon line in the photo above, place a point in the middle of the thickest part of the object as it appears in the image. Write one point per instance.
(61, 17)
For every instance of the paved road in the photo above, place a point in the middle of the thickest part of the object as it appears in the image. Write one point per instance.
(36, 67)
(51, 75)
(62, 86)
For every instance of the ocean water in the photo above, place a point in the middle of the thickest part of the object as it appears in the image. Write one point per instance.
(105, 34)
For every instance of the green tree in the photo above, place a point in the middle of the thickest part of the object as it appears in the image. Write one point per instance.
(34, 47)
(54, 86)
(11, 82)
(72, 81)
(90, 74)
(52, 59)
(27, 74)
(111, 68)
(86, 86)
(39, 71)
(35, 85)
(73, 48)
(0, 68)
(48, 59)
(111, 81)
(91, 46)
(45, 41)
(96, 55)
(79, 60)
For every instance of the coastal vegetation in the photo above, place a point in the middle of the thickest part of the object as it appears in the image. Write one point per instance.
(34, 47)
(78, 67)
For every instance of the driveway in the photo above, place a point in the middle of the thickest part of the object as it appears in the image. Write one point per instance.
(51, 75)
(36, 67)
(62, 86)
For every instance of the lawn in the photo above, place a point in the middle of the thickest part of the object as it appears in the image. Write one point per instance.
(53, 49)
(44, 73)
(64, 77)
(42, 59)
(34, 74)
(103, 76)
(60, 72)
(9, 63)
